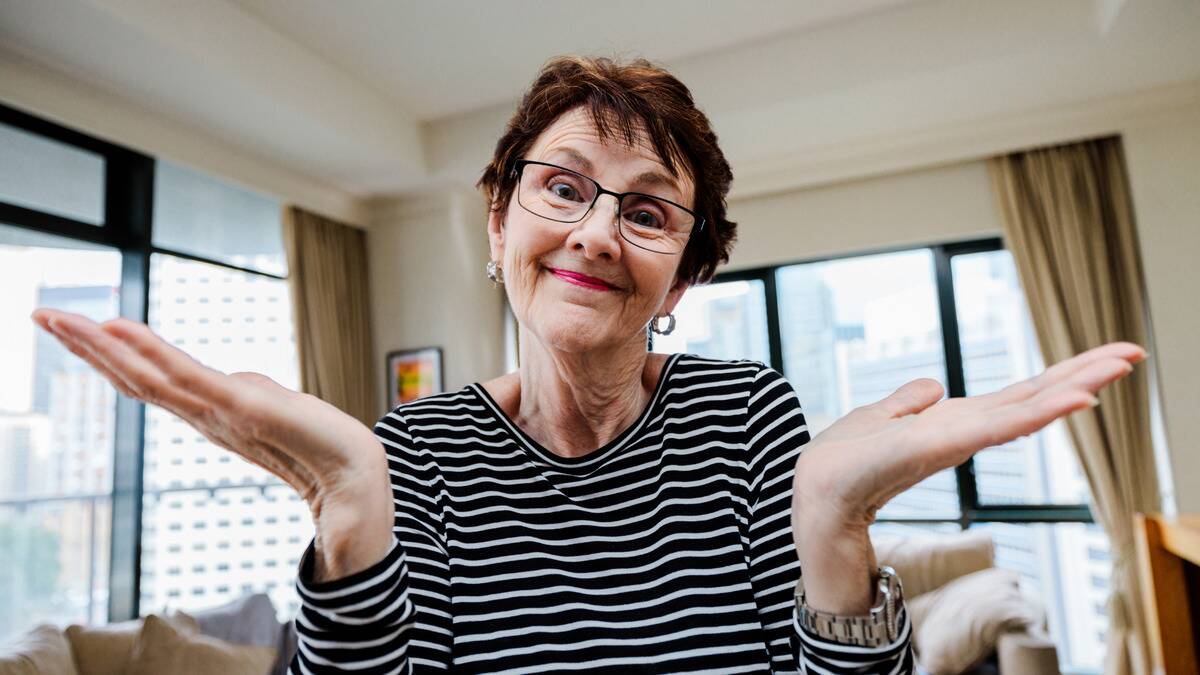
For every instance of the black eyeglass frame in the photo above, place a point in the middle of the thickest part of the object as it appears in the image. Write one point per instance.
(519, 167)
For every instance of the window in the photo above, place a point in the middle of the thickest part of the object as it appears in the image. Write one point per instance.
(720, 320)
(102, 230)
(202, 216)
(855, 329)
(849, 331)
(47, 176)
(56, 435)
(232, 320)
(999, 348)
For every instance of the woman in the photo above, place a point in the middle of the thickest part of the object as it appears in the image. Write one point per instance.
(603, 508)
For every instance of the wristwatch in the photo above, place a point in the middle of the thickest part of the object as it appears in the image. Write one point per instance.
(880, 626)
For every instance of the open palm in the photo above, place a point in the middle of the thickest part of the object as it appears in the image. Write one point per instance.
(851, 469)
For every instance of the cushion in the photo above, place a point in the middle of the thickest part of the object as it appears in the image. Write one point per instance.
(248, 620)
(44, 650)
(925, 563)
(107, 650)
(957, 625)
(287, 648)
(1027, 653)
(163, 648)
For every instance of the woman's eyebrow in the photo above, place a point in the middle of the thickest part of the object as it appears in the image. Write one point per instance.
(656, 179)
(573, 155)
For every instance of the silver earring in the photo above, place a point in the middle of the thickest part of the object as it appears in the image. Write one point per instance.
(495, 272)
(670, 324)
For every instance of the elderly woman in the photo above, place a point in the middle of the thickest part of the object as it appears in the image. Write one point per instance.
(603, 508)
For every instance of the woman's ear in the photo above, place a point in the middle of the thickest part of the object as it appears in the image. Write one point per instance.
(673, 297)
(496, 234)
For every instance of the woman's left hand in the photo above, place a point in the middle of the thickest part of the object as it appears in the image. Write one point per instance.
(850, 470)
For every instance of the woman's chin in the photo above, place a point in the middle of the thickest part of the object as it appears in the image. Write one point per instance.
(572, 343)
(567, 335)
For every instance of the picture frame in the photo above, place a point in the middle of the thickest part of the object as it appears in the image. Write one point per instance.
(413, 374)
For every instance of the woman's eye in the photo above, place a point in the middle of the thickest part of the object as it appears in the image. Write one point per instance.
(643, 218)
(564, 191)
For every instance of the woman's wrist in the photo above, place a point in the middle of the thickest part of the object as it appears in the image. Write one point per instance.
(838, 563)
(353, 522)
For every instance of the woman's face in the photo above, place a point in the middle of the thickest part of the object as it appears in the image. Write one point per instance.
(565, 315)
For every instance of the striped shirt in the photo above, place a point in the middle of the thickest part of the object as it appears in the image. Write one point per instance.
(669, 549)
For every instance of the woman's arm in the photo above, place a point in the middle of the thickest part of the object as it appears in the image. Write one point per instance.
(777, 435)
(358, 623)
(396, 615)
(353, 582)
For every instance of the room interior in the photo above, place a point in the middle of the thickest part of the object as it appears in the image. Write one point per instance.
(867, 139)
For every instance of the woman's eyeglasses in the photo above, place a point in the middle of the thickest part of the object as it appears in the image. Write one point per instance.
(562, 195)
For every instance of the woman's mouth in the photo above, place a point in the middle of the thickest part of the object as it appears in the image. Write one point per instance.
(582, 280)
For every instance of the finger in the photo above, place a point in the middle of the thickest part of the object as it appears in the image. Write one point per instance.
(65, 326)
(57, 324)
(88, 357)
(1061, 371)
(143, 380)
(1088, 380)
(965, 434)
(911, 398)
(177, 365)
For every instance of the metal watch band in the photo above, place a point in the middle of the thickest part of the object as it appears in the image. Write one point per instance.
(880, 626)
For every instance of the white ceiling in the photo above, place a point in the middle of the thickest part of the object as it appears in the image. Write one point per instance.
(452, 56)
(384, 96)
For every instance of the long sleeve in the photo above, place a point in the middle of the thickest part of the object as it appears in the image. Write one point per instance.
(392, 617)
(776, 432)
(357, 622)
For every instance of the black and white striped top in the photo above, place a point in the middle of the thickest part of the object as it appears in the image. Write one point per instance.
(669, 549)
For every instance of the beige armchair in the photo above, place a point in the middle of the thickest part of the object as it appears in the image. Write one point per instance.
(968, 616)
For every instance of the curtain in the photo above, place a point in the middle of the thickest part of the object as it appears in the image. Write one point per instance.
(327, 272)
(1068, 222)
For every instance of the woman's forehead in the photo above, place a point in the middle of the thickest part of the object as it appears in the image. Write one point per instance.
(574, 136)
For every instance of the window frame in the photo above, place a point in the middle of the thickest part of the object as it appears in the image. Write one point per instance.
(127, 227)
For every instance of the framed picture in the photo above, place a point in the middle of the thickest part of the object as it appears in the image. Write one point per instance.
(412, 374)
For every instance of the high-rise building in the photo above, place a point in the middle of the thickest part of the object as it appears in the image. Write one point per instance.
(215, 526)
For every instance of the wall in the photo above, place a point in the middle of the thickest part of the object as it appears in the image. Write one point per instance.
(428, 288)
(1163, 156)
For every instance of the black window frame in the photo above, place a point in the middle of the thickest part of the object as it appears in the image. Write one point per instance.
(127, 227)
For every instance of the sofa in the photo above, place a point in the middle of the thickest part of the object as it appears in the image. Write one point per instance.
(242, 637)
(968, 616)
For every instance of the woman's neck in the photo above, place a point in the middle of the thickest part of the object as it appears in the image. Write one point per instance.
(574, 403)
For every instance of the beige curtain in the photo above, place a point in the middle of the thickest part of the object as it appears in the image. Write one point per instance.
(1069, 223)
(327, 271)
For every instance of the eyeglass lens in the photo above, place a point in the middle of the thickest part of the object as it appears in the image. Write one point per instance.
(559, 194)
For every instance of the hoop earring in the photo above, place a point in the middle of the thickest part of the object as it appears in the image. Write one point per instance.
(670, 324)
(494, 272)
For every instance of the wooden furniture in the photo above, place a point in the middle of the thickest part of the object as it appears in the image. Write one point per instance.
(1168, 552)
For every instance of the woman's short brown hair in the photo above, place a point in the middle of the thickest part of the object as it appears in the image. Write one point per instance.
(627, 99)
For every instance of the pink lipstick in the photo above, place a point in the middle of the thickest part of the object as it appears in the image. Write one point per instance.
(582, 280)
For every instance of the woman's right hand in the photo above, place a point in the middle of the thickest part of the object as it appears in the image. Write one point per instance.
(333, 461)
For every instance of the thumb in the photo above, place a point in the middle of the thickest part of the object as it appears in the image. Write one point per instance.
(912, 397)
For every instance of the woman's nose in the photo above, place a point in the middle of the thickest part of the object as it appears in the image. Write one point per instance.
(597, 233)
